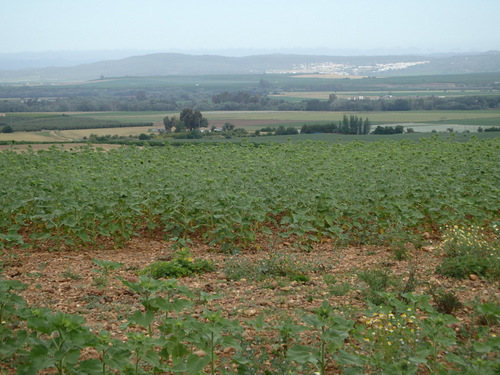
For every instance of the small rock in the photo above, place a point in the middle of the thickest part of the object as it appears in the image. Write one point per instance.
(473, 277)
(428, 249)
(286, 288)
(221, 276)
(228, 350)
(200, 353)
(133, 279)
(426, 235)
(250, 312)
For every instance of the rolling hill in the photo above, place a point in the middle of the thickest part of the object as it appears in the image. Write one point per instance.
(182, 64)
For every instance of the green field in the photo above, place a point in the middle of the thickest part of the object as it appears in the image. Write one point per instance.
(378, 257)
(291, 82)
(269, 117)
(124, 170)
(420, 121)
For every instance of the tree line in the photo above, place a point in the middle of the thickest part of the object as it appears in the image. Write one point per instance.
(348, 125)
(476, 102)
(208, 100)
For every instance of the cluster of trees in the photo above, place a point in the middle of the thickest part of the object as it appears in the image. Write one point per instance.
(492, 129)
(242, 97)
(412, 104)
(398, 129)
(6, 128)
(280, 130)
(208, 100)
(188, 120)
(348, 125)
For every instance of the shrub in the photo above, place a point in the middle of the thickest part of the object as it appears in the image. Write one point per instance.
(7, 129)
(468, 251)
(275, 265)
(182, 265)
(378, 280)
(445, 302)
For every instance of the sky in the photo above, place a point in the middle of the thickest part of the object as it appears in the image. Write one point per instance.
(403, 26)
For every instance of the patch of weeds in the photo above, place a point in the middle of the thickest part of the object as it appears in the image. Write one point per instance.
(300, 278)
(105, 266)
(182, 265)
(378, 280)
(340, 289)
(274, 265)
(445, 302)
(34, 275)
(237, 268)
(401, 252)
(468, 251)
(412, 282)
(401, 241)
(329, 279)
(488, 314)
(390, 334)
(335, 288)
(69, 274)
(92, 302)
(100, 281)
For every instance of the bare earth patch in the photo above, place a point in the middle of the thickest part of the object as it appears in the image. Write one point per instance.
(67, 280)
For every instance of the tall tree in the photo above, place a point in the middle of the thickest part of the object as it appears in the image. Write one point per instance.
(169, 123)
(193, 119)
(366, 126)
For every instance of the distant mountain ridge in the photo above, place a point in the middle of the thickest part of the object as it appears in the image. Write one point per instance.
(159, 64)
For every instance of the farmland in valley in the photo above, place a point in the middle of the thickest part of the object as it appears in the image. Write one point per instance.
(420, 121)
(301, 253)
(251, 254)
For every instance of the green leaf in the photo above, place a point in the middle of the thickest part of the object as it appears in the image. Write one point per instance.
(195, 364)
(301, 354)
(482, 347)
(142, 319)
(90, 367)
(345, 358)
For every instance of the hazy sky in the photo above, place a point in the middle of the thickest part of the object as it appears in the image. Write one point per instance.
(165, 25)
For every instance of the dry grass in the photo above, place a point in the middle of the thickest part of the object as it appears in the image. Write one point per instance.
(78, 134)
(41, 136)
(46, 146)
(72, 135)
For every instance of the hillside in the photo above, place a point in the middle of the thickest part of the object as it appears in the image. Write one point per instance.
(182, 64)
